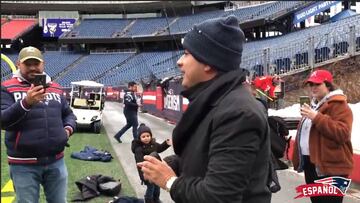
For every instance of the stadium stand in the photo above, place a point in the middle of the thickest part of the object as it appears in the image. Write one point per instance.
(133, 68)
(147, 26)
(340, 27)
(143, 66)
(290, 51)
(166, 66)
(279, 7)
(96, 28)
(16, 27)
(184, 23)
(91, 66)
(287, 53)
(107, 28)
(57, 61)
(283, 54)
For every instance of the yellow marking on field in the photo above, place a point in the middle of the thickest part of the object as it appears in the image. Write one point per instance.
(7, 199)
(9, 187)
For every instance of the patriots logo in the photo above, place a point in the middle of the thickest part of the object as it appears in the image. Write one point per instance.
(313, 74)
(336, 181)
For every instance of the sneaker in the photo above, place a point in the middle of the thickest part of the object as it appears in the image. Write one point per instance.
(117, 139)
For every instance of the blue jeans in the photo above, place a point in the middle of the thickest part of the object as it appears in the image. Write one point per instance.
(152, 191)
(131, 121)
(27, 180)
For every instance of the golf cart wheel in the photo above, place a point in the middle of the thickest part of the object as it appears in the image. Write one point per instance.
(97, 127)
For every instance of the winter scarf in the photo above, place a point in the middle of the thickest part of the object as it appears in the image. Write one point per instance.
(201, 97)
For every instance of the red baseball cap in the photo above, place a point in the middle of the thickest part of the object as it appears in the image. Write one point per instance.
(320, 76)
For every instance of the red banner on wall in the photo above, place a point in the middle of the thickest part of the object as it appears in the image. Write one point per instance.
(159, 98)
(149, 97)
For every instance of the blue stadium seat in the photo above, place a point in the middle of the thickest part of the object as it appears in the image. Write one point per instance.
(99, 28)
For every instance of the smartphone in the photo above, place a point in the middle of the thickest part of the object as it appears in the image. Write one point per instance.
(40, 79)
(304, 99)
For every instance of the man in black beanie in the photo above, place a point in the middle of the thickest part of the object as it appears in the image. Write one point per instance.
(222, 141)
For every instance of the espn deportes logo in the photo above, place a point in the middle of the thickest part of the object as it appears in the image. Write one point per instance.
(331, 186)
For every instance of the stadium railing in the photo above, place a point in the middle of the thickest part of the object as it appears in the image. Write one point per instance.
(303, 49)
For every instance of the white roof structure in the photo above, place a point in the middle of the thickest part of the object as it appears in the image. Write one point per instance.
(87, 83)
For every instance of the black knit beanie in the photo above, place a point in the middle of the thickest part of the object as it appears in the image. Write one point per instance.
(216, 42)
(142, 129)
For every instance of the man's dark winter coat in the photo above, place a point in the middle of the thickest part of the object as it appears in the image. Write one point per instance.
(131, 106)
(36, 135)
(223, 146)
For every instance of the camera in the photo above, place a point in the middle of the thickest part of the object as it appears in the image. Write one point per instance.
(304, 100)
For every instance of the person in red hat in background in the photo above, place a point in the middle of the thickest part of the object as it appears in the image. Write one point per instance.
(323, 142)
(267, 84)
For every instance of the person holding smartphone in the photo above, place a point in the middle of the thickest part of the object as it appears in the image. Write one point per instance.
(37, 126)
(323, 142)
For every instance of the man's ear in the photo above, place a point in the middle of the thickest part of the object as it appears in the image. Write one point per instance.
(209, 69)
(209, 72)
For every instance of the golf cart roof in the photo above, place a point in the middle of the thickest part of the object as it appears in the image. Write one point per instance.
(87, 83)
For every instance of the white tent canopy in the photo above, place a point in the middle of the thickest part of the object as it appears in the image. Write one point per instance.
(87, 83)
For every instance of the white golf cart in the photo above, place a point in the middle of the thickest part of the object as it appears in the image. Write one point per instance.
(87, 100)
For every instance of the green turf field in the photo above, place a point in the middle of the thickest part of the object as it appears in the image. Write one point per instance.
(77, 168)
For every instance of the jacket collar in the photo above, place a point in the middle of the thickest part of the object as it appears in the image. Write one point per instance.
(128, 90)
(336, 95)
(194, 91)
(20, 78)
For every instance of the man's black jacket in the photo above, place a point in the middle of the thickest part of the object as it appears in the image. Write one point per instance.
(222, 143)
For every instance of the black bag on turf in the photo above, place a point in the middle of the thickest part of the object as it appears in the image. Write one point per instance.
(109, 186)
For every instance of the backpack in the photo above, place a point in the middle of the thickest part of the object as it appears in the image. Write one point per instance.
(278, 133)
(94, 185)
